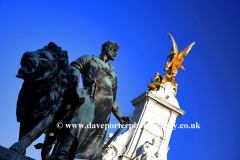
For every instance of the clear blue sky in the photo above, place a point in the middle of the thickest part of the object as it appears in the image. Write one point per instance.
(208, 89)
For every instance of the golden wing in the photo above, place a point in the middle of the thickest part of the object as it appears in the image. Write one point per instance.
(175, 49)
(185, 51)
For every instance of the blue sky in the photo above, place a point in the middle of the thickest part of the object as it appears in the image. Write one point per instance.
(208, 89)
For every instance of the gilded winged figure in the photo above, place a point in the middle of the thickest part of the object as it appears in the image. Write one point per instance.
(176, 59)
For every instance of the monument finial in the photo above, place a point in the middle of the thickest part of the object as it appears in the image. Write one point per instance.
(171, 67)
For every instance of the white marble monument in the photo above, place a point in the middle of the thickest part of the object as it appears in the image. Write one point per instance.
(148, 136)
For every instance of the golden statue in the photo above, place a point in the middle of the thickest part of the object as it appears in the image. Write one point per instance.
(154, 86)
(171, 67)
(176, 59)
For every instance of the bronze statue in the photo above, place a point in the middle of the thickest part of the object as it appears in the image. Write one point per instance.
(99, 89)
(46, 75)
(171, 67)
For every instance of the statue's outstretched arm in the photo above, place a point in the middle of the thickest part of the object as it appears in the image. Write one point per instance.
(154, 78)
(117, 113)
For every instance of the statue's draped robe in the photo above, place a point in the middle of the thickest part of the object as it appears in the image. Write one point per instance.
(99, 90)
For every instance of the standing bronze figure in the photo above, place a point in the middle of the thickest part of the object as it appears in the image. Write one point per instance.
(99, 89)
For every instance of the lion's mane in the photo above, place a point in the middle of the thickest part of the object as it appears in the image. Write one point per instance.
(37, 98)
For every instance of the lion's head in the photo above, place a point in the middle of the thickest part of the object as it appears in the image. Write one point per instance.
(42, 64)
(45, 73)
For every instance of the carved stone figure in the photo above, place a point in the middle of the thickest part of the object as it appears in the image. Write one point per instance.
(110, 152)
(149, 151)
(46, 75)
(99, 89)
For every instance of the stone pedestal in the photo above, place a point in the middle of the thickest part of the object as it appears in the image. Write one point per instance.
(7, 154)
(152, 123)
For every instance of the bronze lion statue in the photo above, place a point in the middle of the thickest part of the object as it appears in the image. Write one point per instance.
(46, 91)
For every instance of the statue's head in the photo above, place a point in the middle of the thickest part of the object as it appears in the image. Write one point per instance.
(43, 63)
(33, 65)
(110, 49)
